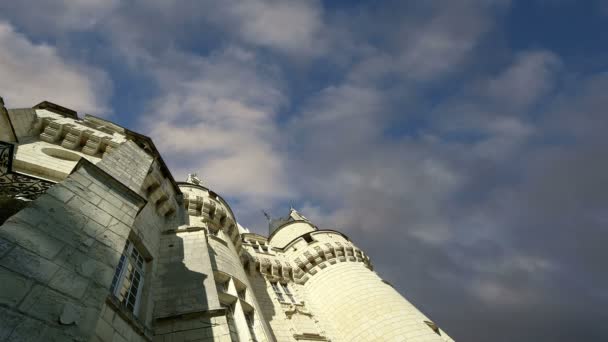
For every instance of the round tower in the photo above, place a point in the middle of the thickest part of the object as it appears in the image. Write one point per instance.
(206, 209)
(349, 299)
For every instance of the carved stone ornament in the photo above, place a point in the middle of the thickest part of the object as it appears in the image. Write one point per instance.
(15, 185)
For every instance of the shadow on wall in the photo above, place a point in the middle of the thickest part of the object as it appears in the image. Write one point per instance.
(59, 254)
(182, 306)
(10, 206)
(265, 302)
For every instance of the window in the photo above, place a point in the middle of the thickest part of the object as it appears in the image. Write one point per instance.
(251, 325)
(288, 293)
(128, 280)
(282, 293)
(277, 291)
(308, 238)
(242, 294)
(223, 286)
(234, 335)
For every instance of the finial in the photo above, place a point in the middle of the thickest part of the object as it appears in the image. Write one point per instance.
(193, 179)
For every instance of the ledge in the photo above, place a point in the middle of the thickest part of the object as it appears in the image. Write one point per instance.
(193, 314)
(130, 318)
(309, 337)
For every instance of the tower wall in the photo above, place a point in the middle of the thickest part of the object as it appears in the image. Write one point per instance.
(360, 307)
(212, 241)
(292, 231)
(348, 299)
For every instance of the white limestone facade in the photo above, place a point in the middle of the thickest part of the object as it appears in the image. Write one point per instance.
(98, 242)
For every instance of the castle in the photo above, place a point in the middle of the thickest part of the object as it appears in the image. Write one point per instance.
(100, 243)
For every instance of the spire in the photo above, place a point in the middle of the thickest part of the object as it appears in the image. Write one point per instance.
(294, 214)
(274, 223)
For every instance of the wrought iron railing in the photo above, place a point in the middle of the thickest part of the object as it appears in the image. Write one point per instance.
(14, 184)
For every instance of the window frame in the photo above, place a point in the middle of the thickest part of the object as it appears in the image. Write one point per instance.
(138, 264)
(288, 292)
(250, 320)
(281, 290)
(277, 291)
(230, 321)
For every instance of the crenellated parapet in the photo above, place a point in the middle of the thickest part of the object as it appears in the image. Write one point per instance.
(321, 256)
(302, 258)
(208, 208)
(271, 267)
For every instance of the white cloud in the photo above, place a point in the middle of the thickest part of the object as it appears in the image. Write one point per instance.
(289, 26)
(216, 115)
(531, 76)
(55, 17)
(31, 73)
(445, 40)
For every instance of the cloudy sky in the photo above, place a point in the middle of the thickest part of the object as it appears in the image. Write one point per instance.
(460, 143)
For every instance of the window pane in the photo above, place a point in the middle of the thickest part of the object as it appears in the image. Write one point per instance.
(277, 291)
(128, 279)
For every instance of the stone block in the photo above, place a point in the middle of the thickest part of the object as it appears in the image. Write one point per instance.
(30, 215)
(122, 327)
(119, 228)
(90, 210)
(104, 254)
(81, 179)
(45, 304)
(29, 264)
(13, 287)
(118, 338)
(108, 314)
(92, 228)
(69, 283)
(9, 320)
(96, 295)
(60, 193)
(81, 190)
(5, 246)
(86, 320)
(32, 239)
(28, 330)
(59, 335)
(104, 330)
(111, 240)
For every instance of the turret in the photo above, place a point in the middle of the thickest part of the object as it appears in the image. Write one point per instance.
(336, 285)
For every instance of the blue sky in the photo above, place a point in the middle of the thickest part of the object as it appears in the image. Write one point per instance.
(460, 143)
